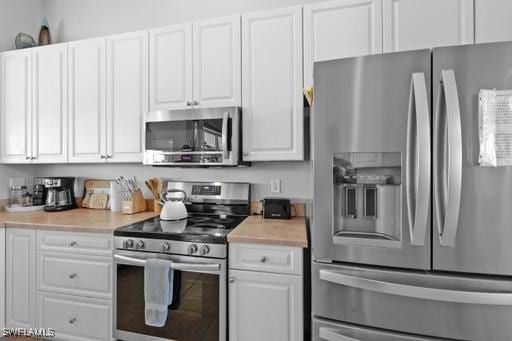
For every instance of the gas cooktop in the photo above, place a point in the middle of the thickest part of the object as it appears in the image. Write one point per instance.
(196, 228)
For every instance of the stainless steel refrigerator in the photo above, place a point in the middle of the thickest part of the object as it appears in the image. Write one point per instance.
(412, 237)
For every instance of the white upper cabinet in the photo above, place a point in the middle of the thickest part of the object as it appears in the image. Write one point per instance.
(272, 100)
(16, 106)
(217, 62)
(339, 29)
(127, 96)
(49, 98)
(416, 24)
(492, 20)
(87, 100)
(197, 64)
(170, 67)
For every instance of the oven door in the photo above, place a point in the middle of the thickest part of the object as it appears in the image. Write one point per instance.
(198, 310)
(193, 137)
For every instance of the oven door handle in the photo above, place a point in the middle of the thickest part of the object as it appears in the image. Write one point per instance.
(175, 266)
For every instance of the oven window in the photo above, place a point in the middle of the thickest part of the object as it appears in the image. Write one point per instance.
(185, 136)
(193, 314)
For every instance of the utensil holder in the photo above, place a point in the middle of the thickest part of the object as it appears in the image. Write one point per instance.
(137, 204)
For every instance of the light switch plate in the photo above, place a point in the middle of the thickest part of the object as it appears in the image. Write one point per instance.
(275, 186)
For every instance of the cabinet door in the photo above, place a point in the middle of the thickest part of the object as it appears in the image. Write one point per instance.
(127, 95)
(217, 62)
(340, 29)
(265, 306)
(16, 106)
(170, 76)
(2, 277)
(49, 108)
(492, 20)
(20, 278)
(417, 24)
(272, 100)
(87, 101)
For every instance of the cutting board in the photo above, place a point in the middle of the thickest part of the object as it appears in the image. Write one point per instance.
(95, 186)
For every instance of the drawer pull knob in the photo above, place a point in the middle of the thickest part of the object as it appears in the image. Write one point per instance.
(231, 279)
(263, 259)
(71, 276)
(72, 244)
(72, 320)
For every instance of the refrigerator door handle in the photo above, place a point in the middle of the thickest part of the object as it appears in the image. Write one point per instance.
(417, 164)
(333, 335)
(447, 159)
(420, 292)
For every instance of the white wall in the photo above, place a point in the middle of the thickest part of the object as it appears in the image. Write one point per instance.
(295, 182)
(17, 16)
(79, 19)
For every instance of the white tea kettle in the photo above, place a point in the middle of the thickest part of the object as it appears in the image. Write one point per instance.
(173, 208)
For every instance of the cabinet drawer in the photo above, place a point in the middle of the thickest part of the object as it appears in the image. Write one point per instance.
(75, 242)
(75, 318)
(75, 274)
(267, 258)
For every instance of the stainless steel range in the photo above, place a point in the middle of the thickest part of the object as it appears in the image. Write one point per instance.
(198, 249)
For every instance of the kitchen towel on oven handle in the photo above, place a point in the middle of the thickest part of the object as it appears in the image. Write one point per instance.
(158, 290)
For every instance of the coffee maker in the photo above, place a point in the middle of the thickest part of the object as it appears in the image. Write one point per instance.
(58, 193)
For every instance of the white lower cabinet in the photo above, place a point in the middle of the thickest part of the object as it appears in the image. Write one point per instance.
(265, 305)
(20, 274)
(70, 273)
(2, 277)
(75, 317)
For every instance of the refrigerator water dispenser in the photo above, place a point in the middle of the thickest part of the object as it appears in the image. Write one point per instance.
(367, 199)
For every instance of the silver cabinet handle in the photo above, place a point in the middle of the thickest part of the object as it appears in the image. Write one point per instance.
(447, 159)
(417, 165)
(332, 335)
(73, 243)
(71, 276)
(27, 157)
(72, 320)
(232, 279)
(103, 157)
(189, 103)
(108, 156)
(245, 153)
(225, 151)
(426, 293)
(195, 102)
(33, 158)
(263, 259)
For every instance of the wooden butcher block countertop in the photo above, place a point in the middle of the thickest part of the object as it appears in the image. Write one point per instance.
(80, 219)
(255, 229)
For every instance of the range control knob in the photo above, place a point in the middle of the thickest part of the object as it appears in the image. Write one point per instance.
(139, 245)
(127, 244)
(166, 246)
(192, 248)
(203, 251)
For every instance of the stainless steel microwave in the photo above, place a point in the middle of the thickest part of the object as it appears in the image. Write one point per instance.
(207, 137)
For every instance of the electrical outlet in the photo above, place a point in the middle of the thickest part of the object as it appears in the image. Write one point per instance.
(275, 186)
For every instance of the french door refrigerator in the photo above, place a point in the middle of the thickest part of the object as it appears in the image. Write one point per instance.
(412, 237)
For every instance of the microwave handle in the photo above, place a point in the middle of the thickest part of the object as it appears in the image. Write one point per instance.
(174, 266)
(225, 151)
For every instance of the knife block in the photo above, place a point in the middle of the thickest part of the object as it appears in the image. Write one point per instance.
(135, 205)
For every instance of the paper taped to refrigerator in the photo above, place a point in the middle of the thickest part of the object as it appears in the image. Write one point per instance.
(495, 123)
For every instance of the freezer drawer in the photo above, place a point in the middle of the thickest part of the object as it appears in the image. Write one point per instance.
(454, 307)
(324, 330)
